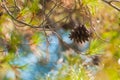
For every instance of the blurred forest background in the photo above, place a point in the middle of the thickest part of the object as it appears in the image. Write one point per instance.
(60, 40)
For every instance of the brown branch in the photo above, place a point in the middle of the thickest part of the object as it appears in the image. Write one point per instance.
(112, 5)
(15, 2)
(10, 14)
(32, 26)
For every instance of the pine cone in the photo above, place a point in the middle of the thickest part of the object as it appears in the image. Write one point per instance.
(80, 34)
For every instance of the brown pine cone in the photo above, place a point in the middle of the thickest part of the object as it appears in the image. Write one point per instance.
(80, 34)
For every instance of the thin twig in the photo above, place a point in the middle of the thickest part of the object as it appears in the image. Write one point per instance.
(10, 14)
(112, 5)
(47, 41)
(15, 2)
(50, 12)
